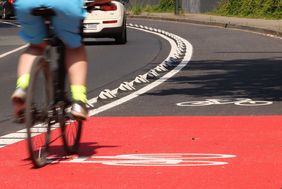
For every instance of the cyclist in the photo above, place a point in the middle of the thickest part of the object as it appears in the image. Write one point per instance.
(69, 14)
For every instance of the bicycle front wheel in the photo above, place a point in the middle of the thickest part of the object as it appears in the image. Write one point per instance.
(38, 104)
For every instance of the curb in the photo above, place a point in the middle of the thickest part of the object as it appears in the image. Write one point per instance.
(219, 24)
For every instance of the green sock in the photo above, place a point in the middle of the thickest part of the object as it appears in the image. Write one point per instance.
(79, 93)
(23, 81)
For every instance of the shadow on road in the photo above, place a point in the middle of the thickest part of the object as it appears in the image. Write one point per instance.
(57, 153)
(85, 149)
(256, 78)
(97, 43)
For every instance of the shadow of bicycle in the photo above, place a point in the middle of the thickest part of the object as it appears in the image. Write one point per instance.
(85, 149)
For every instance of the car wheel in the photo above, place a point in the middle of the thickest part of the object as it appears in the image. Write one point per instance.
(122, 37)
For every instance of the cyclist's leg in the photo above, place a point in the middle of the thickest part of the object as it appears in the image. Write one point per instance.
(76, 64)
(67, 26)
(28, 56)
(24, 67)
(76, 60)
(32, 31)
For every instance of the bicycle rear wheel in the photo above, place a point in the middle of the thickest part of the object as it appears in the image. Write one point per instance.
(38, 104)
(71, 132)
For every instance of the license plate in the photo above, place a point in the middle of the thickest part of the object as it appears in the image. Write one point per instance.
(91, 26)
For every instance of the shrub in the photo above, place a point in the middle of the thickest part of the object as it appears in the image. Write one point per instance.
(252, 8)
(166, 5)
(163, 6)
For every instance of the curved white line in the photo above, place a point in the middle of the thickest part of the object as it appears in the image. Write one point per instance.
(185, 61)
(10, 23)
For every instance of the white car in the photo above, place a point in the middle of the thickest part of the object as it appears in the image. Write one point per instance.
(106, 21)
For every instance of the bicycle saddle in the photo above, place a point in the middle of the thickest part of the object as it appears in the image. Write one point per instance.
(43, 11)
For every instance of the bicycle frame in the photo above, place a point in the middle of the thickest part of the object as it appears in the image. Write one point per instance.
(55, 52)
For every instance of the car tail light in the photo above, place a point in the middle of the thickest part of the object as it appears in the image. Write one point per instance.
(108, 7)
(110, 22)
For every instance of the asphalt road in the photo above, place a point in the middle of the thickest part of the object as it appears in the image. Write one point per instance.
(216, 119)
(226, 64)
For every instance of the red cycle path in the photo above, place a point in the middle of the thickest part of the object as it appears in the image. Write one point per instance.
(255, 140)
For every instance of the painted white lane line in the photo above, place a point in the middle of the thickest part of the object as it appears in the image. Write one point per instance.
(22, 134)
(5, 141)
(186, 59)
(12, 138)
(10, 23)
(13, 51)
(15, 135)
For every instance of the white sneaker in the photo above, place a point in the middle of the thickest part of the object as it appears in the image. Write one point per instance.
(79, 110)
(18, 101)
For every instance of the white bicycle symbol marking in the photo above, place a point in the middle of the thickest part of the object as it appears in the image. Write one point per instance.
(159, 159)
(238, 101)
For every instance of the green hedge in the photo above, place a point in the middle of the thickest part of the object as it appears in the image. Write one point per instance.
(166, 5)
(251, 8)
(163, 6)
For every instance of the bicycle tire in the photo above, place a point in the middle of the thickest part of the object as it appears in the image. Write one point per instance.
(194, 103)
(253, 103)
(37, 121)
(71, 131)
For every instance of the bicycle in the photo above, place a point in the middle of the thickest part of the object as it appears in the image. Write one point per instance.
(237, 101)
(47, 104)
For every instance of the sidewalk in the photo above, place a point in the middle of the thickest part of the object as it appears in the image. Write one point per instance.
(273, 27)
